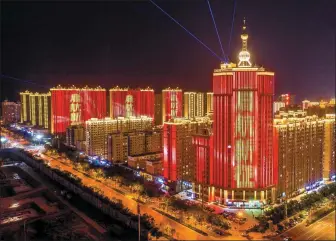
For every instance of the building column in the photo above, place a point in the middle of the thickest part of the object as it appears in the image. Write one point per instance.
(212, 194)
(273, 194)
(220, 196)
(225, 196)
(232, 194)
(243, 194)
(266, 194)
(209, 194)
(255, 195)
(199, 191)
(262, 195)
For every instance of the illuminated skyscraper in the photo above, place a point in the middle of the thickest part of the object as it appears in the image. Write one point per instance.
(171, 104)
(126, 102)
(288, 99)
(209, 102)
(73, 106)
(97, 131)
(189, 104)
(178, 149)
(329, 147)
(243, 155)
(25, 107)
(40, 109)
(193, 104)
(298, 151)
(203, 144)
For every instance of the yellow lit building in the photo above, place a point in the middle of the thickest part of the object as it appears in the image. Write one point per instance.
(209, 103)
(329, 149)
(298, 150)
(97, 131)
(193, 104)
(117, 147)
(40, 109)
(75, 134)
(136, 144)
(25, 107)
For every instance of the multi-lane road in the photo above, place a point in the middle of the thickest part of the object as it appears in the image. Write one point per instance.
(183, 232)
(323, 229)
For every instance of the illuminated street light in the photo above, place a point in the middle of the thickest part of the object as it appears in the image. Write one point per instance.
(39, 137)
(3, 139)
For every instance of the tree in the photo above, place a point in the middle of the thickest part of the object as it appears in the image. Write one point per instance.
(100, 173)
(137, 187)
(85, 166)
(92, 173)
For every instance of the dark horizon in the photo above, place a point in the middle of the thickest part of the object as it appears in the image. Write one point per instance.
(134, 44)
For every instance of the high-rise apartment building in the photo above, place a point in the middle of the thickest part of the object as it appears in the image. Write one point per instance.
(154, 141)
(329, 146)
(11, 112)
(298, 151)
(97, 131)
(125, 102)
(243, 107)
(158, 109)
(178, 148)
(209, 102)
(117, 147)
(25, 107)
(288, 99)
(277, 105)
(75, 134)
(193, 104)
(172, 100)
(36, 109)
(203, 144)
(74, 106)
(136, 144)
(40, 109)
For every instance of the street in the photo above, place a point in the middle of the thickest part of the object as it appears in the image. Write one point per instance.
(182, 231)
(323, 229)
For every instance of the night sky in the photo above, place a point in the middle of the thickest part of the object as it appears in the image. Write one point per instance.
(132, 43)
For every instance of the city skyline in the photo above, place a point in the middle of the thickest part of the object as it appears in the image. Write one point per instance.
(52, 52)
(168, 120)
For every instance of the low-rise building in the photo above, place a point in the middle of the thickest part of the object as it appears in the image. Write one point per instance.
(11, 112)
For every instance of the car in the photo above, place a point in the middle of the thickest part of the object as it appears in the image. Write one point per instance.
(219, 232)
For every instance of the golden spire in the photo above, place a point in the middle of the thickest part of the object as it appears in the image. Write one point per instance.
(244, 55)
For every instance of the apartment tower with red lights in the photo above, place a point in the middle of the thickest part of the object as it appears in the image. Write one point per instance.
(74, 106)
(243, 167)
(125, 102)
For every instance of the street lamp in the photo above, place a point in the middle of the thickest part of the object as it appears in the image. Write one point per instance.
(39, 137)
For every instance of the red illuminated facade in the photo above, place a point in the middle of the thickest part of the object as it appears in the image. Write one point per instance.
(203, 144)
(172, 101)
(243, 103)
(73, 106)
(179, 152)
(288, 99)
(126, 102)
